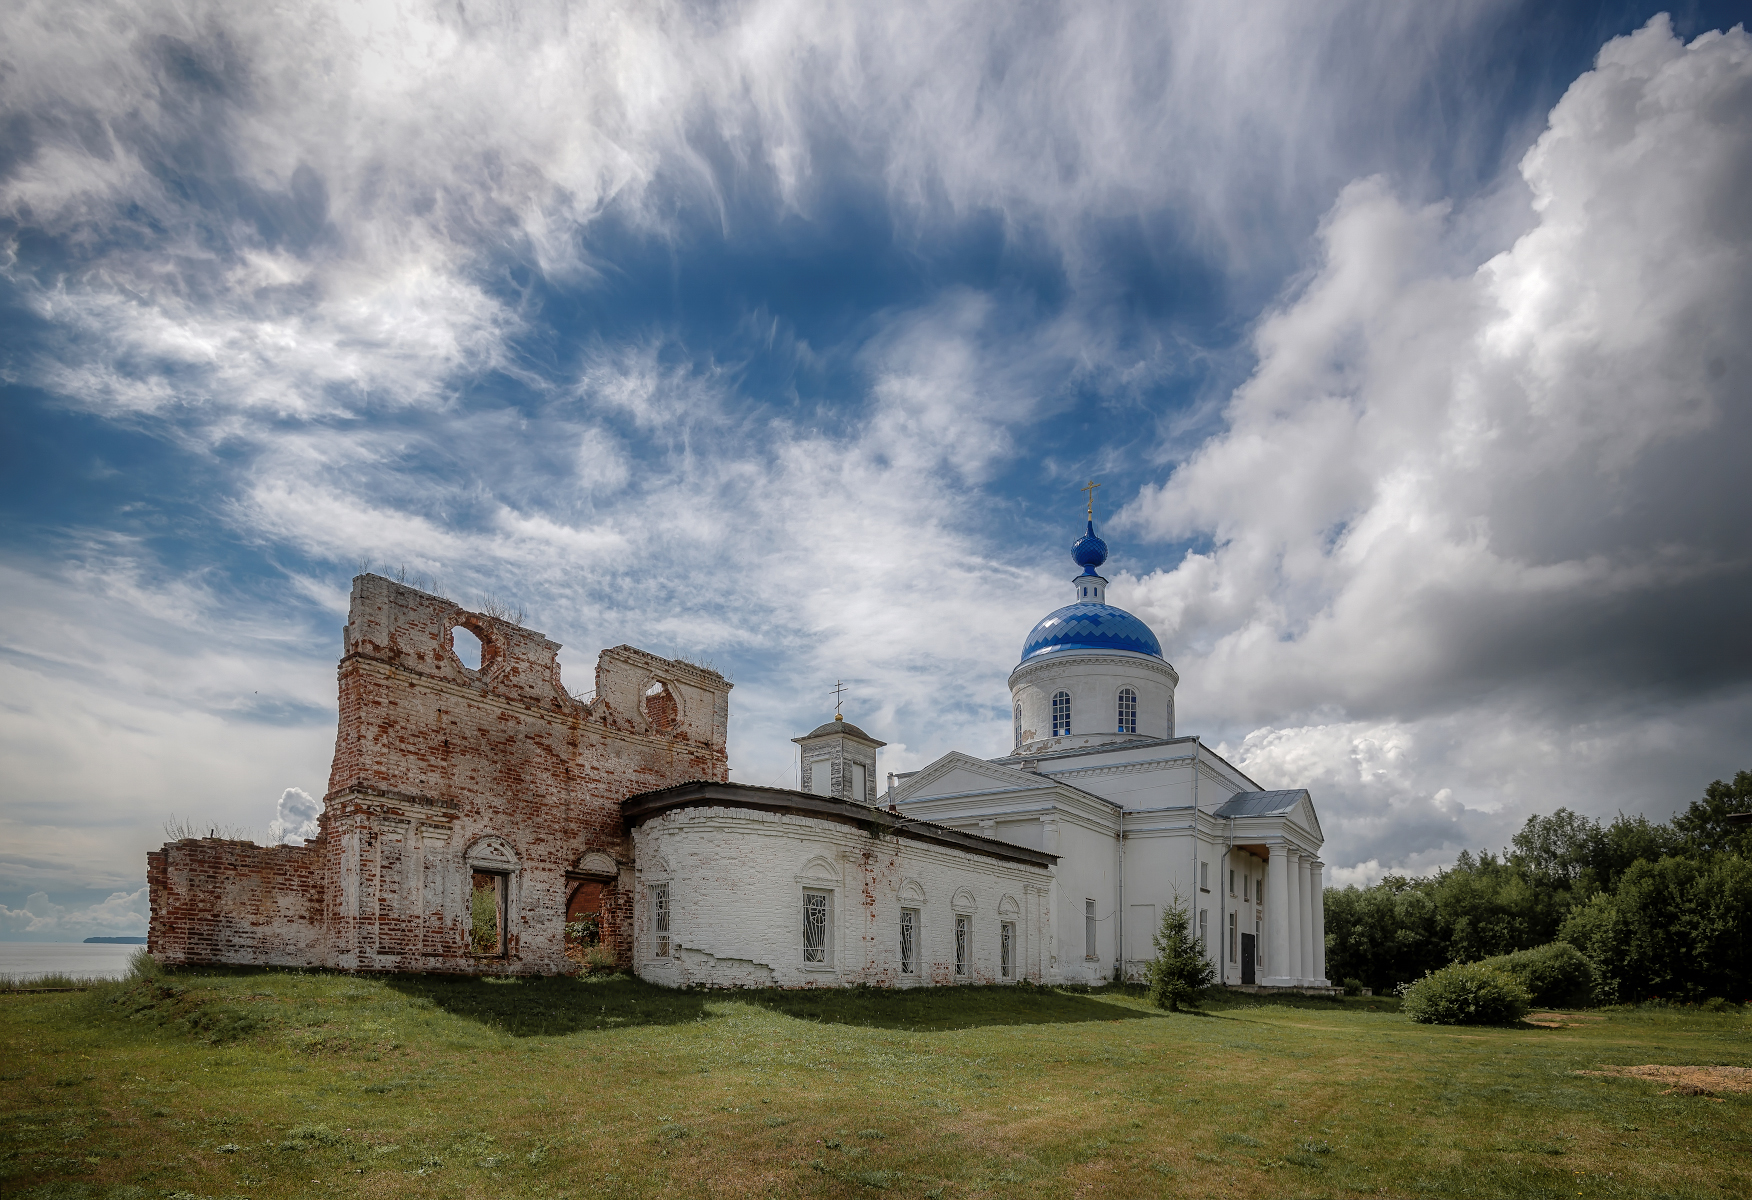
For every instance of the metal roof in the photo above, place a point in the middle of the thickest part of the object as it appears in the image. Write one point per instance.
(1261, 804)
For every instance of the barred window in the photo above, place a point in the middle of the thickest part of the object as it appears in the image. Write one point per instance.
(1061, 713)
(909, 941)
(1007, 950)
(816, 942)
(1128, 711)
(1203, 941)
(1231, 937)
(660, 920)
(961, 945)
(1088, 929)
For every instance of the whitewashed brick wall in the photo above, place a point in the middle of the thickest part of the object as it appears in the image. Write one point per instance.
(736, 880)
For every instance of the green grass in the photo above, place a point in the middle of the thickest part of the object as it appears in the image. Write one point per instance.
(268, 1084)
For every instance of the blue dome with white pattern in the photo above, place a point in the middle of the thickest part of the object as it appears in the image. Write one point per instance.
(1086, 627)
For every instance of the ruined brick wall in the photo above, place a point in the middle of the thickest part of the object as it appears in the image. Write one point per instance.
(736, 878)
(441, 771)
(220, 901)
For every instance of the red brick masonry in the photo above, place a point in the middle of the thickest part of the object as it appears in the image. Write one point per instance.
(441, 771)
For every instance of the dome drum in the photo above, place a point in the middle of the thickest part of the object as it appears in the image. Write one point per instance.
(1092, 684)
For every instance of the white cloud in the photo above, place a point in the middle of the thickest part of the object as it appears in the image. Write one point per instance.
(294, 818)
(122, 914)
(1462, 542)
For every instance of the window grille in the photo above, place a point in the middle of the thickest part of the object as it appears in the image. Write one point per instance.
(1128, 711)
(1061, 713)
(1088, 929)
(660, 920)
(1232, 923)
(1007, 950)
(815, 940)
(1170, 716)
(1016, 724)
(961, 945)
(909, 941)
(1203, 941)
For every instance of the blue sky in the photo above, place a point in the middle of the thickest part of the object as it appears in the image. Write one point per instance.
(1407, 343)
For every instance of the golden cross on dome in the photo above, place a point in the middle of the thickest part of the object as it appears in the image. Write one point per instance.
(839, 690)
(1089, 488)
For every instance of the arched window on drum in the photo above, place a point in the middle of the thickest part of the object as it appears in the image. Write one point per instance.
(1061, 713)
(1128, 711)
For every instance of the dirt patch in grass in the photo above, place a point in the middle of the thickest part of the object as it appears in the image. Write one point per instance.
(1686, 1081)
(1561, 1020)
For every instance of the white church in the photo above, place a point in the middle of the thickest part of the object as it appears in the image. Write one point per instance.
(1052, 864)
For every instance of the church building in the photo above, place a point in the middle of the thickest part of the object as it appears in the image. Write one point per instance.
(486, 819)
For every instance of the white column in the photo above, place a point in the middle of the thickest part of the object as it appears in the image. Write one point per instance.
(1296, 880)
(1277, 919)
(1316, 875)
(1305, 928)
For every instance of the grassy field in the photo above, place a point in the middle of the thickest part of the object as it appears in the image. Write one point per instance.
(267, 1084)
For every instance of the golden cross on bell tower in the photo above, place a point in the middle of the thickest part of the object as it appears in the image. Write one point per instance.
(1089, 489)
(839, 690)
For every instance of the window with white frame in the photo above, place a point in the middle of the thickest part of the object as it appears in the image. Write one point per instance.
(821, 777)
(817, 928)
(909, 941)
(1258, 945)
(1246, 887)
(1232, 924)
(1061, 713)
(1016, 720)
(961, 924)
(1204, 876)
(1128, 711)
(1007, 950)
(659, 920)
(1203, 939)
(860, 781)
(1088, 929)
(1231, 881)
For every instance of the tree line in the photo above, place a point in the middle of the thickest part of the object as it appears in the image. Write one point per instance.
(1658, 910)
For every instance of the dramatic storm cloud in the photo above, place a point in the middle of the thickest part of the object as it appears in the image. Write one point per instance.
(1407, 341)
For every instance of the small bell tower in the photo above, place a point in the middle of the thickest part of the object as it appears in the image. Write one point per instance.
(839, 759)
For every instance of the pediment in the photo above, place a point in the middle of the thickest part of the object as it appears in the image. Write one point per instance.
(1007, 907)
(491, 853)
(963, 901)
(956, 772)
(912, 892)
(819, 868)
(596, 863)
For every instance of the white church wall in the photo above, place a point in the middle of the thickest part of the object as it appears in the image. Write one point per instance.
(736, 883)
(1093, 683)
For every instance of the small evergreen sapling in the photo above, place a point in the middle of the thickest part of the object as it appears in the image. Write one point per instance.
(1180, 972)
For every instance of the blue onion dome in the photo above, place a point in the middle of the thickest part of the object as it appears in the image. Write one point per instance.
(1089, 551)
(1085, 627)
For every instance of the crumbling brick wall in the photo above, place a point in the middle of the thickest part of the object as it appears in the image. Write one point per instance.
(216, 900)
(441, 771)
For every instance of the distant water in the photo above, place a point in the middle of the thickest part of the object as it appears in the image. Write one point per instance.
(78, 959)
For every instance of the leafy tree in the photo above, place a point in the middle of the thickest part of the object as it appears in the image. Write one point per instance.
(1180, 972)
(1705, 826)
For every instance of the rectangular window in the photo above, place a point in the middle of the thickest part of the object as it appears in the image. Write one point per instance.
(1204, 876)
(817, 940)
(858, 784)
(821, 777)
(1232, 923)
(1258, 946)
(660, 920)
(487, 913)
(961, 945)
(1007, 950)
(909, 941)
(1246, 887)
(1231, 881)
(1203, 941)
(1088, 929)
(1259, 892)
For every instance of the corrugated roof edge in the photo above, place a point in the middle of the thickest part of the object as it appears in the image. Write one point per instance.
(641, 807)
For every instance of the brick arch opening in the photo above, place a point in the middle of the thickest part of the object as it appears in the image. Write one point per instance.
(660, 707)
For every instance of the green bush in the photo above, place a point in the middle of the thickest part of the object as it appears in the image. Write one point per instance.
(1556, 975)
(1353, 986)
(1466, 994)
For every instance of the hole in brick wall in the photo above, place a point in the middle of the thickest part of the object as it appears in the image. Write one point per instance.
(467, 648)
(660, 707)
(487, 914)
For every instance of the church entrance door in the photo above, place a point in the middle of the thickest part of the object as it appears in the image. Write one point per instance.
(1247, 958)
